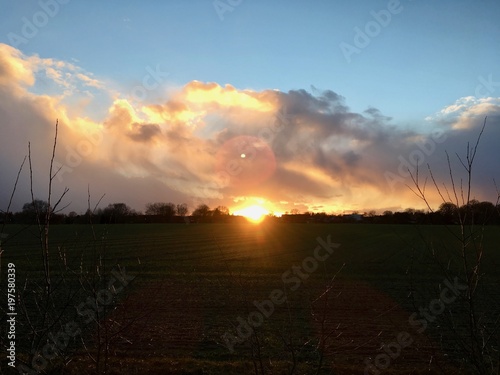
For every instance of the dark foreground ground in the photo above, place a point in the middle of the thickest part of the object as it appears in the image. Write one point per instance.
(247, 299)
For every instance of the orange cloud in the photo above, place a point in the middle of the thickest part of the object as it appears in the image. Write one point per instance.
(308, 150)
(225, 97)
(15, 69)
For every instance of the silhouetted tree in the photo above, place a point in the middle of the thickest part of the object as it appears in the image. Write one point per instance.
(448, 212)
(182, 209)
(220, 211)
(30, 211)
(161, 209)
(116, 213)
(484, 212)
(202, 211)
(37, 205)
(402, 218)
(71, 217)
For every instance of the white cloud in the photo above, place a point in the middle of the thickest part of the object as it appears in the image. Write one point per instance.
(466, 112)
(301, 147)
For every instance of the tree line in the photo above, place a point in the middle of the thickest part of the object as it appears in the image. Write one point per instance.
(167, 212)
(448, 213)
(36, 210)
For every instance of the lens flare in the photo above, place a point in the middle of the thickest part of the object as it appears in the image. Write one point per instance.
(255, 213)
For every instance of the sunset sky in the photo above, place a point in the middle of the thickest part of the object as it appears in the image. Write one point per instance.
(317, 106)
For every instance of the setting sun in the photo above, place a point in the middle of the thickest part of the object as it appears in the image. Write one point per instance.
(253, 213)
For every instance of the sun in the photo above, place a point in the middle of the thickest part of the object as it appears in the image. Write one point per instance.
(254, 213)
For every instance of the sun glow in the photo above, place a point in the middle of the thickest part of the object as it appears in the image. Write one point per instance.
(227, 96)
(255, 213)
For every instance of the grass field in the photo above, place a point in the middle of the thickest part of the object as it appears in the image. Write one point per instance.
(193, 285)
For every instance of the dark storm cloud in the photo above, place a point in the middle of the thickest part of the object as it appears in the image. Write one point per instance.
(144, 132)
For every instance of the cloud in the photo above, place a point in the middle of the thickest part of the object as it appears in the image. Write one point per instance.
(464, 113)
(144, 132)
(214, 144)
(14, 69)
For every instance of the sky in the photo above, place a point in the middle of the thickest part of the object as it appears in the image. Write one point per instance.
(314, 106)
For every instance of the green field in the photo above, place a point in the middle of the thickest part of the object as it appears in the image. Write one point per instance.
(194, 284)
